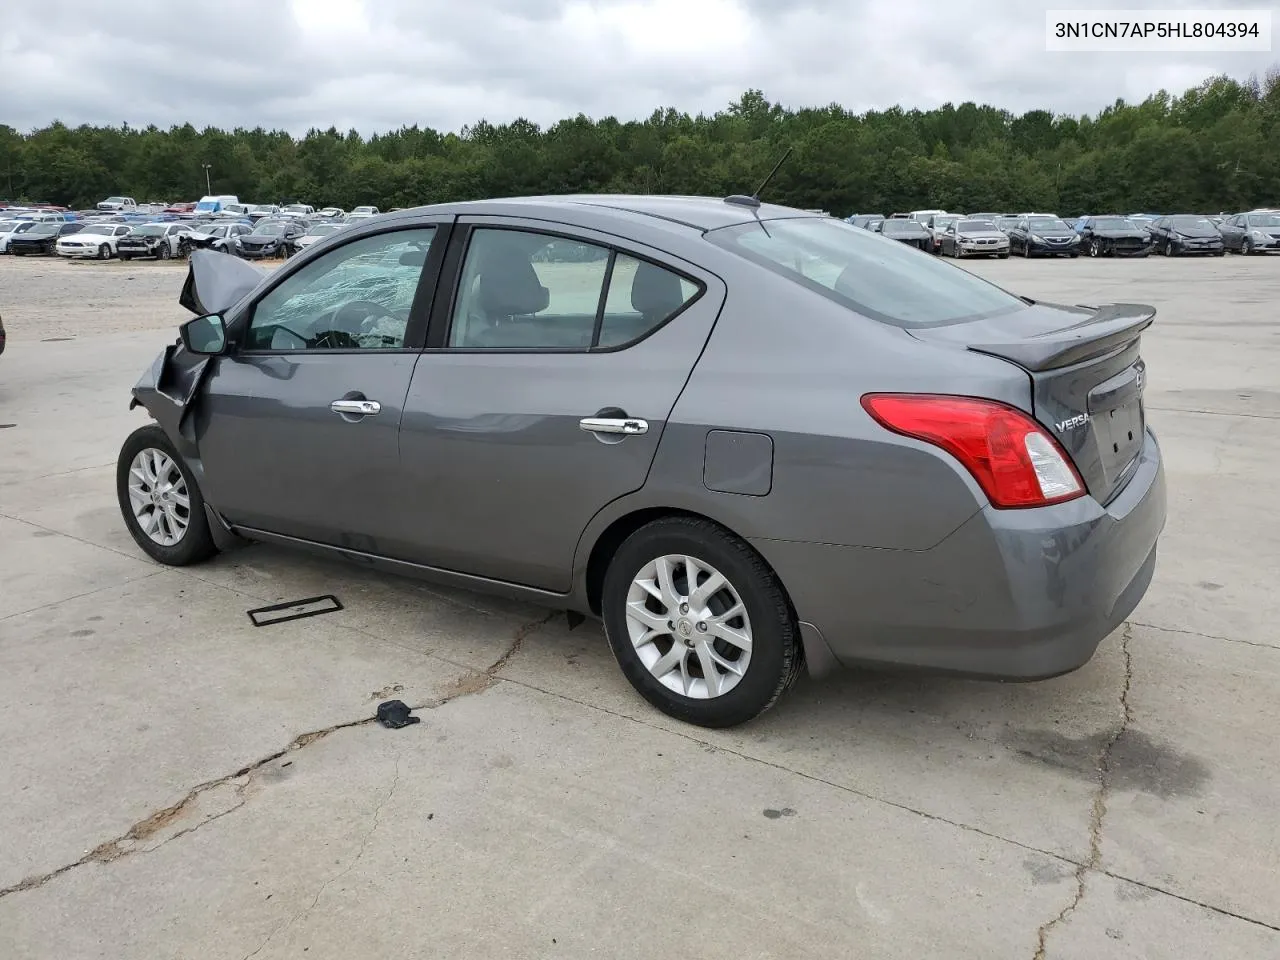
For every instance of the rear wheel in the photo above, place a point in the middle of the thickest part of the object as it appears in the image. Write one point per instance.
(699, 623)
(160, 502)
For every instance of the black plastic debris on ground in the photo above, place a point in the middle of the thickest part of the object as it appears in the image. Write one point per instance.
(394, 714)
(294, 610)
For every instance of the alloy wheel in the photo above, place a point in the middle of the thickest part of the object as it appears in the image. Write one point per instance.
(1095, 248)
(689, 626)
(159, 497)
(1246, 247)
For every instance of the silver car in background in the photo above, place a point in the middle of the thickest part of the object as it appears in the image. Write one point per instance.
(751, 440)
(974, 238)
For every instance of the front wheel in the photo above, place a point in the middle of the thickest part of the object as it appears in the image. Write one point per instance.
(160, 502)
(104, 251)
(1168, 248)
(1246, 247)
(699, 623)
(1095, 248)
(165, 253)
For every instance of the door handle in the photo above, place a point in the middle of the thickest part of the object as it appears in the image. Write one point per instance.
(355, 408)
(628, 426)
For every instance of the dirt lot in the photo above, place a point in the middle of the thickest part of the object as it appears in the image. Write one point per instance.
(179, 783)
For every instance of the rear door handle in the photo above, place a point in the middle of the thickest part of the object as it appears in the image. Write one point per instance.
(628, 426)
(356, 408)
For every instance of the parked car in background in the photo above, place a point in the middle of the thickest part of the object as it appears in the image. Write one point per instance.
(924, 215)
(1113, 237)
(96, 240)
(331, 213)
(184, 207)
(911, 232)
(258, 211)
(1187, 234)
(584, 438)
(270, 238)
(297, 210)
(42, 239)
(316, 232)
(118, 203)
(367, 211)
(216, 236)
(235, 211)
(356, 217)
(937, 225)
(992, 217)
(971, 237)
(214, 202)
(1005, 224)
(10, 227)
(1043, 235)
(1250, 233)
(160, 240)
(866, 220)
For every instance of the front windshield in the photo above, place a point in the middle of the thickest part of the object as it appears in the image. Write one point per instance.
(322, 229)
(1264, 220)
(1192, 224)
(1040, 224)
(885, 281)
(1114, 223)
(102, 228)
(268, 230)
(209, 205)
(975, 226)
(296, 208)
(148, 230)
(44, 229)
(114, 200)
(902, 226)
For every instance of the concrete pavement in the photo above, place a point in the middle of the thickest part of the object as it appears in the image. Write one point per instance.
(180, 783)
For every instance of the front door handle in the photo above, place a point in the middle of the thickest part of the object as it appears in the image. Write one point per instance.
(628, 426)
(355, 408)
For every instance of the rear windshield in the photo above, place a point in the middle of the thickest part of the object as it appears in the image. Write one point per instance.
(878, 278)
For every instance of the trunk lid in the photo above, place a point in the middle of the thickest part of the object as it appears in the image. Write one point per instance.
(1087, 378)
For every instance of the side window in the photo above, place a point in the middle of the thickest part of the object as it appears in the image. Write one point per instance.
(356, 297)
(524, 290)
(642, 296)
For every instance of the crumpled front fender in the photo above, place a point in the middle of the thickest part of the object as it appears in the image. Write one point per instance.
(168, 388)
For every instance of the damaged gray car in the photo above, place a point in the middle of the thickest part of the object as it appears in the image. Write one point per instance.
(752, 440)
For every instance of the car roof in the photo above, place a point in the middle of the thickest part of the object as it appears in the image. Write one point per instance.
(698, 213)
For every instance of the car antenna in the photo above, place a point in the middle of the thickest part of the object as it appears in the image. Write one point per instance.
(754, 200)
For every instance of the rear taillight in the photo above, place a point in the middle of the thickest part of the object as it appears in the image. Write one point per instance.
(1014, 459)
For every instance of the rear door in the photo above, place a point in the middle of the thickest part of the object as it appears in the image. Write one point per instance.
(543, 393)
(1232, 230)
(298, 428)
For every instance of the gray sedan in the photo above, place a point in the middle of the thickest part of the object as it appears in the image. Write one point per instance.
(974, 238)
(751, 440)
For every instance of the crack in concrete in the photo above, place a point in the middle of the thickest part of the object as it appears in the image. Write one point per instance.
(364, 845)
(132, 841)
(1098, 809)
(1206, 636)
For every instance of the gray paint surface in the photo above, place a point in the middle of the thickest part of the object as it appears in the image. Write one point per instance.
(476, 470)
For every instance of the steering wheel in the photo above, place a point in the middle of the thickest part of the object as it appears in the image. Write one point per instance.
(358, 313)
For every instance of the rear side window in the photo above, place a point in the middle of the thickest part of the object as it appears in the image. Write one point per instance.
(522, 290)
(876, 276)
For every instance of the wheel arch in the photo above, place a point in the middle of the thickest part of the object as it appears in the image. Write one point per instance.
(818, 657)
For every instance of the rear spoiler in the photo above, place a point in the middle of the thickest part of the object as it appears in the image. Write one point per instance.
(1110, 327)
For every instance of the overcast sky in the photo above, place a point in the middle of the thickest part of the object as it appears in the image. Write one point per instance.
(379, 64)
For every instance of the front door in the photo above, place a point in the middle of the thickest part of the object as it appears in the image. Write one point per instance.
(547, 398)
(298, 429)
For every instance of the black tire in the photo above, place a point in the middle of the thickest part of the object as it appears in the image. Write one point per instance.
(1002, 256)
(196, 544)
(1026, 251)
(125, 256)
(776, 652)
(1073, 254)
(164, 253)
(1169, 249)
(104, 251)
(1246, 247)
(1095, 247)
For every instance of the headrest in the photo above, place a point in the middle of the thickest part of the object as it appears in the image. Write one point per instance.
(655, 291)
(509, 286)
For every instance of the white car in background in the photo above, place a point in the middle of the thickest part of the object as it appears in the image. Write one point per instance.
(334, 213)
(366, 211)
(96, 240)
(354, 217)
(298, 210)
(317, 233)
(9, 227)
(259, 210)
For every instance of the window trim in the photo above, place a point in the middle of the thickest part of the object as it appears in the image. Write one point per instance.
(441, 322)
(423, 297)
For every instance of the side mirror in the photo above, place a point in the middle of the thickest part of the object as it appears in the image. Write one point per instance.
(205, 335)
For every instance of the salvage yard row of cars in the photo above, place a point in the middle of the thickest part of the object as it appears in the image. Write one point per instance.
(122, 228)
(1045, 234)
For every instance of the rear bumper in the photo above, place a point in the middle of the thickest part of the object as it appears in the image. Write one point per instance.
(1010, 595)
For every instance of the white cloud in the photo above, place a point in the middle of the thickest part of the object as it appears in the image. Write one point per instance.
(379, 64)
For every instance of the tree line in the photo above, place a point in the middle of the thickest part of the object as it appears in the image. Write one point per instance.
(1214, 148)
